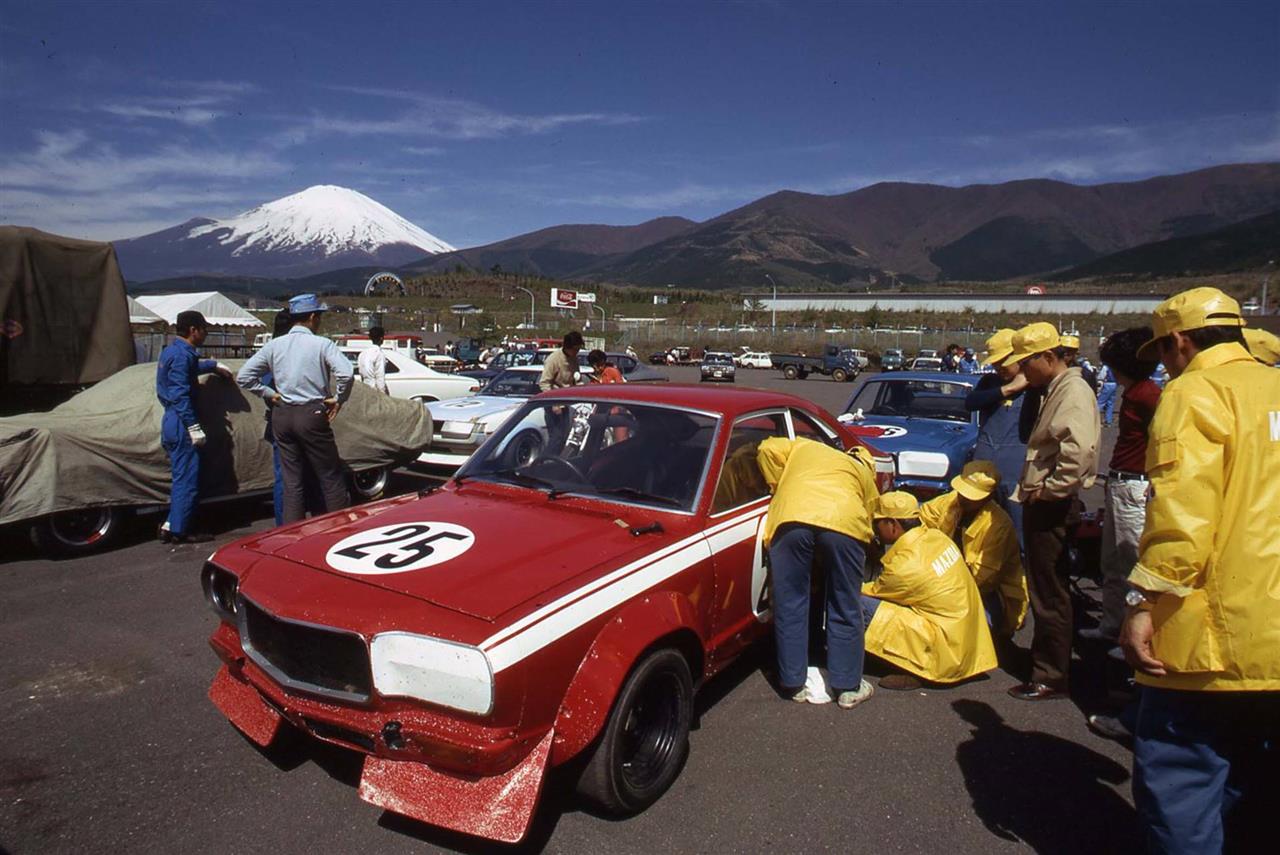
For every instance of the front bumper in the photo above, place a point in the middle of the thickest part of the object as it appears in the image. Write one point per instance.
(395, 730)
(496, 806)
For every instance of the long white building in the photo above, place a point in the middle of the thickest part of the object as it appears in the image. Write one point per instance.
(959, 303)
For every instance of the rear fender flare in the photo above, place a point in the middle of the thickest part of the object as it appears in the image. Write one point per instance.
(645, 623)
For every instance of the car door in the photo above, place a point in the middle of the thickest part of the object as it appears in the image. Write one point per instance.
(734, 532)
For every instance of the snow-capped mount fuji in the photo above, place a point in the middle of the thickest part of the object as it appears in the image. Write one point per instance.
(320, 229)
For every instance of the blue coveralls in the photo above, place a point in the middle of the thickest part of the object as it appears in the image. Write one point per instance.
(999, 440)
(176, 375)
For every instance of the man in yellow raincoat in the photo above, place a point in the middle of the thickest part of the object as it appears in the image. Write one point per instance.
(1203, 625)
(820, 510)
(971, 516)
(923, 612)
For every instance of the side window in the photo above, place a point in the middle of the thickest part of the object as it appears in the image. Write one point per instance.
(808, 427)
(740, 478)
(390, 368)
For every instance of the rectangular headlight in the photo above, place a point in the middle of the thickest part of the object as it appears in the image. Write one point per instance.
(923, 464)
(457, 428)
(430, 669)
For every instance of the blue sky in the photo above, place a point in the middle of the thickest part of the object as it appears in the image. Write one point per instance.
(480, 121)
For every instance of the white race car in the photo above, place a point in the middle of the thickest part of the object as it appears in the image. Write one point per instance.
(407, 378)
(461, 426)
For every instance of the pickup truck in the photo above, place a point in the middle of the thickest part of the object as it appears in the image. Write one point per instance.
(834, 363)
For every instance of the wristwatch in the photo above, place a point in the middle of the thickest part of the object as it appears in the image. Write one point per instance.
(1135, 599)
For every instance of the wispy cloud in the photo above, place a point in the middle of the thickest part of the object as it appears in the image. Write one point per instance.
(201, 102)
(450, 118)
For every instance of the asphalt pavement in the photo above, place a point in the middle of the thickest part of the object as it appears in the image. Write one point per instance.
(110, 743)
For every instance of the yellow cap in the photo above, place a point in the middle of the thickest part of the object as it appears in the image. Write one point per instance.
(977, 480)
(1034, 338)
(1191, 310)
(897, 505)
(999, 346)
(1264, 346)
(1070, 340)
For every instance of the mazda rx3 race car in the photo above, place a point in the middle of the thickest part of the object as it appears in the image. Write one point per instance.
(919, 417)
(530, 612)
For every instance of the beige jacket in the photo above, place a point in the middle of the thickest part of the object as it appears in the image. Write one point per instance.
(1062, 452)
(558, 371)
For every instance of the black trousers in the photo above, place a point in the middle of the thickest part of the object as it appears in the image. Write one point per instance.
(1044, 526)
(306, 444)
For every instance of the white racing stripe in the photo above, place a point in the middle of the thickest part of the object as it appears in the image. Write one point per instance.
(557, 619)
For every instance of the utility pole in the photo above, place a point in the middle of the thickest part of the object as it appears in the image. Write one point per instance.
(531, 304)
(1266, 280)
(602, 317)
(774, 305)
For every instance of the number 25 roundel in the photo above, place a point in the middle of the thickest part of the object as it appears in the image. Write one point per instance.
(399, 548)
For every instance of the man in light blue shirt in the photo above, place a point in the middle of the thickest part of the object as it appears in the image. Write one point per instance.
(301, 365)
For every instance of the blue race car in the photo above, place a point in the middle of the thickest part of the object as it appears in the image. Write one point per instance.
(919, 417)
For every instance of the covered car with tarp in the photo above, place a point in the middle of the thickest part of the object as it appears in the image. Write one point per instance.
(75, 471)
(64, 319)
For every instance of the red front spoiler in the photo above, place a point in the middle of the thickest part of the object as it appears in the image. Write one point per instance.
(496, 807)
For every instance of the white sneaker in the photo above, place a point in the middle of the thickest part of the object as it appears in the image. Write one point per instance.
(802, 695)
(849, 700)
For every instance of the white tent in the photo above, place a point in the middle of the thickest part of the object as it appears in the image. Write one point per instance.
(218, 310)
(140, 314)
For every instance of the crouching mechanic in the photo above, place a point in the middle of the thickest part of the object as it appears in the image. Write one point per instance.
(971, 516)
(923, 613)
(820, 510)
(181, 435)
(1203, 627)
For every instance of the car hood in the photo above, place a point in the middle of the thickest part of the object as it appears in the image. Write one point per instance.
(517, 546)
(471, 409)
(894, 434)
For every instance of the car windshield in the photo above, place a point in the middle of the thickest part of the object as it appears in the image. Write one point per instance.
(923, 399)
(634, 453)
(718, 359)
(513, 384)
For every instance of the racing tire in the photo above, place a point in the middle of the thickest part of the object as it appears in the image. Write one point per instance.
(81, 532)
(839, 375)
(369, 484)
(790, 372)
(645, 742)
(524, 449)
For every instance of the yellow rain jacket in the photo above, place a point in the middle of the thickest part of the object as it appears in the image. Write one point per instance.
(990, 548)
(1212, 535)
(931, 621)
(815, 484)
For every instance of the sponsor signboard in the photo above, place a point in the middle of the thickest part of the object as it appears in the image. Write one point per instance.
(563, 298)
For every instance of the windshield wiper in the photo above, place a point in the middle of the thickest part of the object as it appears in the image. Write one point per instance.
(529, 480)
(633, 493)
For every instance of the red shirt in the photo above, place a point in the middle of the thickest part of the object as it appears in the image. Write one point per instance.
(610, 374)
(1137, 406)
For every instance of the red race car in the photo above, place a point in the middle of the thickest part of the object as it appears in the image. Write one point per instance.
(540, 605)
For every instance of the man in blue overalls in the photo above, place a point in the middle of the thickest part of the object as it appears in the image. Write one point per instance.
(998, 398)
(180, 431)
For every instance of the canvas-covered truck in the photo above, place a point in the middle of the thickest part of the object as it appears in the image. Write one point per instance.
(838, 365)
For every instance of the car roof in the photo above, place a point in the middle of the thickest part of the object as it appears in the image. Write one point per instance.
(936, 376)
(729, 402)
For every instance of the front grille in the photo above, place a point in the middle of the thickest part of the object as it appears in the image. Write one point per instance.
(304, 656)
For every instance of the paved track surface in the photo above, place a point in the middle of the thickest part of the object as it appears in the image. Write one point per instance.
(109, 743)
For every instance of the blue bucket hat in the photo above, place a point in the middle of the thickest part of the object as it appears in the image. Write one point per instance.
(305, 304)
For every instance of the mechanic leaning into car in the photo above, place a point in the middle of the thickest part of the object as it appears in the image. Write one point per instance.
(301, 364)
(1061, 460)
(971, 516)
(1203, 625)
(180, 432)
(820, 511)
(923, 613)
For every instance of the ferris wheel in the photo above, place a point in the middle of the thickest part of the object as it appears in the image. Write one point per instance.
(384, 283)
